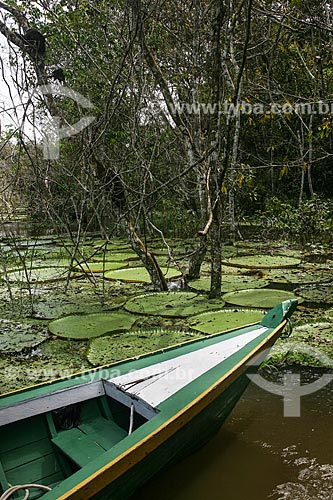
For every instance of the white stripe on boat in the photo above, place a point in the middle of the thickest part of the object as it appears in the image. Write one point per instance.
(156, 383)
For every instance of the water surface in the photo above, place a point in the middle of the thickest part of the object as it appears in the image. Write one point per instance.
(259, 454)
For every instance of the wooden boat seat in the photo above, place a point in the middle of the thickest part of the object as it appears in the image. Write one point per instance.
(89, 440)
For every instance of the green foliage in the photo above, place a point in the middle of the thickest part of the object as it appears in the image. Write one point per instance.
(87, 326)
(172, 304)
(224, 320)
(16, 337)
(310, 222)
(111, 348)
(263, 298)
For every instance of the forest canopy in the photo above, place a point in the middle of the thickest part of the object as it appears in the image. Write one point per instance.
(205, 113)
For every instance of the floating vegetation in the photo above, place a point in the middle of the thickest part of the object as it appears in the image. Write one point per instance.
(111, 348)
(322, 293)
(99, 267)
(172, 304)
(16, 337)
(139, 274)
(317, 334)
(263, 261)
(299, 276)
(24, 244)
(113, 256)
(87, 326)
(258, 298)
(56, 307)
(37, 275)
(297, 352)
(230, 283)
(225, 319)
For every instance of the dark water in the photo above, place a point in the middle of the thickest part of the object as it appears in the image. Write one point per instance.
(259, 454)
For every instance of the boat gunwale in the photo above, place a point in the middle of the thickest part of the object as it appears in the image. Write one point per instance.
(78, 375)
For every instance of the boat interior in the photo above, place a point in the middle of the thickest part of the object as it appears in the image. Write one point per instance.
(48, 438)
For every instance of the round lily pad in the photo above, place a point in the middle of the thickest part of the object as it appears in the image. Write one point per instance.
(225, 319)
(38, 275)
(16, 337)
(300, 276)
(99, 267)
(172, 304)
(258, 298)
(56, 307)
(263, 261)
(34, 243)
(113, 256)
(230, 283)
(139, 274)
(87, 326)
(111, 348)
(317, 293)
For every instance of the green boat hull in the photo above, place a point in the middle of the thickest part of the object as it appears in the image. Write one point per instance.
(102, 434)
(185, 442)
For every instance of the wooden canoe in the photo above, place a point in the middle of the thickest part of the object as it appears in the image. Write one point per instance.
(102, 433)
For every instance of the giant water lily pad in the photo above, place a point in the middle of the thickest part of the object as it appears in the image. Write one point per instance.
(172, 304)
(263, 261)
(38, 275)
(225, 319)
(56, 307)
(139, 274)
(230, 283)
(258, 298)
(111, 348)
(113, 256)
(99, 267)
(16, 337)
(299, 276)
(317, 293)
(87, 326)
(34, 243)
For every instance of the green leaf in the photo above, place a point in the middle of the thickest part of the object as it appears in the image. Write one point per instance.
(230, 282)
(111, 348)
(172, 304)
(263, 261)
(86, 326)
(224, 320)
(16, 337)
(139, 274)
(258, 298)
(99, 267)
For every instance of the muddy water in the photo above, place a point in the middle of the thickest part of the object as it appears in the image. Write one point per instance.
(259, 454)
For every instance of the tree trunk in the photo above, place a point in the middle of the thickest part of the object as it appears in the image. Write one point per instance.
(147, 258)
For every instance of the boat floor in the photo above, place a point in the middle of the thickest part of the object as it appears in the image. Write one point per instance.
(36, 451)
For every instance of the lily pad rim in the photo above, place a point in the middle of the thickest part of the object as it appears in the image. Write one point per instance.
(135, 268)
(68, 337)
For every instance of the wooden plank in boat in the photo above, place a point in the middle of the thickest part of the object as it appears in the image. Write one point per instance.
(87, 441)
(26, 453)
(36, 471)
(105, 432)
(78, 446)
(16, 434)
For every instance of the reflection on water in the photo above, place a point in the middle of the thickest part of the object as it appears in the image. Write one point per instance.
(259, 454)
